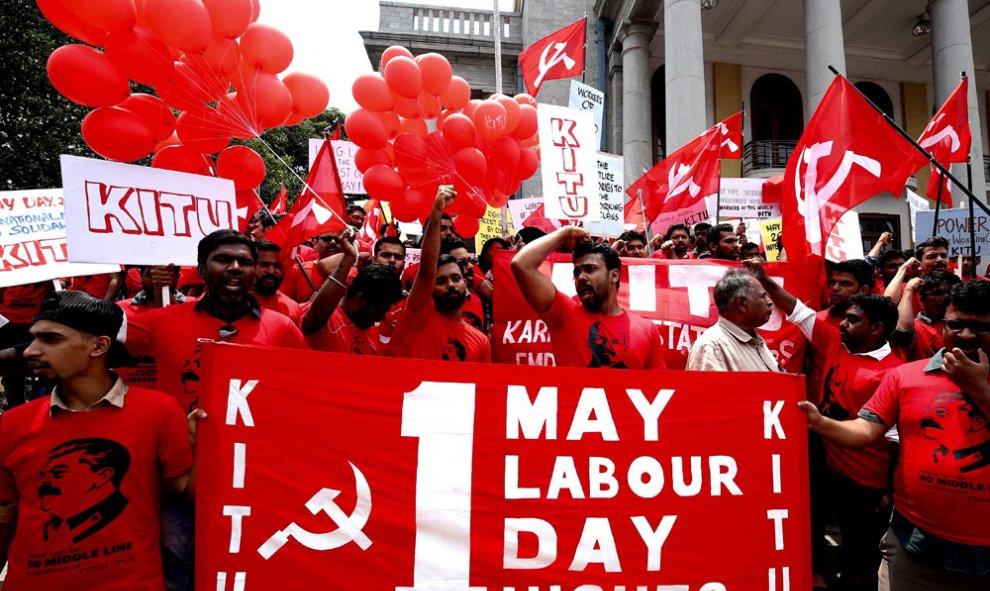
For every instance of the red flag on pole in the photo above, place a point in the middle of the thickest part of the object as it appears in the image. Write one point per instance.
(318, 209)
(368, 233)
(558, 55)
(731, 130)
(948, 138)
(846, 155)
(280, 204)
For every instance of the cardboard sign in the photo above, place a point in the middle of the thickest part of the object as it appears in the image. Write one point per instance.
(404, 476)
(412, 256)
(846, 240)
(742, 199)
(351, 179)
(770, 232)
(613, 197)
(521, 209)
(568, 155)
(954, 225)
(493, 226)
(589, 98)
(136, 215)
(689, 216)
(32, 239)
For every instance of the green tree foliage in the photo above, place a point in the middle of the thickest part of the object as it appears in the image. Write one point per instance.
(36, 122)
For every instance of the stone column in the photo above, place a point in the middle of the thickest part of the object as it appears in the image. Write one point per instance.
(684, 72)
(952, 54)
(823, 47)
(636, 116)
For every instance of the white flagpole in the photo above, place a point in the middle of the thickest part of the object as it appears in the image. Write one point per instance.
(497, 33)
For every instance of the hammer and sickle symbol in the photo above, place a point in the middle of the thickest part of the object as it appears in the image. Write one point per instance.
(349, 527)
(548, 60)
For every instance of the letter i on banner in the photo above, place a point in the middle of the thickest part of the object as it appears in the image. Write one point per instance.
(569, 160)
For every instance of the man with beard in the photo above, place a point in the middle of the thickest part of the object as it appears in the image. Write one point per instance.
(590, 329)
(479, 291)
(701, 231)
(852, 483)
(675, 244)
(723, 243)
(348, 324)
(431, 326)
(389, 250)
(733, 344)
(83, 469)
(296, 285)
(268, 278)
(226, 312)
(939, 535)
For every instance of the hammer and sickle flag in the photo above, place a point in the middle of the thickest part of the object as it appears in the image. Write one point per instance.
(558, 55)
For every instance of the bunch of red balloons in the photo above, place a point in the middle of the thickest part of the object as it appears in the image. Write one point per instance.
(208, 59)
(418, 128)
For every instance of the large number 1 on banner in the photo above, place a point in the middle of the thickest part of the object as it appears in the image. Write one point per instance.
(441, 415)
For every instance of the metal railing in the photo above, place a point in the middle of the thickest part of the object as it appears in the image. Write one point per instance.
(449, 22)
(764, 154)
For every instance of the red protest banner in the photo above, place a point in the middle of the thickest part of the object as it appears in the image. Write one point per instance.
(395, 474)
(675, 295)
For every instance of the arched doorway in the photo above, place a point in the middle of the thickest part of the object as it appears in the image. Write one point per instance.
(878, 96)
(658, 109)
(778, 120)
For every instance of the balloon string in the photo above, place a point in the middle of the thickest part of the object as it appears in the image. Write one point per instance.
(303, 181)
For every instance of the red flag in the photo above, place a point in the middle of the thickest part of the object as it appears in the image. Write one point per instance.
(280, 204)
(682, 178)
(368, 233)
(336, 133)
(731, 130)
(318, 209)
(846, 155)
(948, 138)
(633, 214)
(558, 55)
(248, 204)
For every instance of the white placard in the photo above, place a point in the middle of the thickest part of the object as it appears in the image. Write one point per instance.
(846, 240)
(953, 225)
(742, 198)
(589, 98)
(569, 161)
(32, 239)
(136, 215)
(612, 196)
(521, 209)
(351, 179)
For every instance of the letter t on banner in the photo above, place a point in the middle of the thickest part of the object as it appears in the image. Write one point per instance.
(569, 160)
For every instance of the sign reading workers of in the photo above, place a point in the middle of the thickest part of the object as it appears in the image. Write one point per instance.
(589, 98)
(136, 215)
(569, 162)
(32, 239)
(548, 479)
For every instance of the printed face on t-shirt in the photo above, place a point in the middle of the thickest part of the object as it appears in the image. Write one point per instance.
(268, 273)
(80, 474)
(951, 421)
(449, 290)
(229, 273)
(593, 281)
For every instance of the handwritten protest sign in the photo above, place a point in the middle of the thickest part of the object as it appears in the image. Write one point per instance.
(136, 215)
(351, 179)
(521, 209)
(770, 232)
(589, 98)
(954, 225)
(612, 197)
(689, 216)
(491, 226)
(568, 155)
(742, 199)
(32, 239)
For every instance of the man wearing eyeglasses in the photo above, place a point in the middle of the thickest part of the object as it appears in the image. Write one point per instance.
(939, 535)
(296, 285)
(921, 334)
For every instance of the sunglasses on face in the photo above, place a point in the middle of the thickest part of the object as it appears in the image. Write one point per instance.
(979, 328)
(327, 238)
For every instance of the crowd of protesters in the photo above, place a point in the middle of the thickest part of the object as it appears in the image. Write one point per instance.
(896, 364)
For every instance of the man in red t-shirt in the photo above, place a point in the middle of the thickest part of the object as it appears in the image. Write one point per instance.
(296, 285)
(939, 535)
(920, 332)
(81, 471)
(631, 244)
(268, 278)
(675, 244)
(144, 371)
(479, 293)
(590, 329)
(389, 250)
(723, 243)
(431, 326)
(343, 318)
(104, 286)
(19, 304)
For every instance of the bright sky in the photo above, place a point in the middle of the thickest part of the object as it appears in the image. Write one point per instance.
(325, 37)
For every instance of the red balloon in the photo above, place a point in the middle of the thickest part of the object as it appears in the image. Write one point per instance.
(474, 205)
(465, 226)
(469, 108)
(410, 150)
(383, 183)
(391, 122)
(436, 72)
(232, 118)
(153, 112)
(223, 56)
(372, 92)
(490, 119)
(414, 126)
(505, 152)
(266, 48)
(511, 111)
(172, 140)
(182, 158)
(117, 134)
(391, 52)
(242, 165)
(459, 130)
(403, 76)
(255, 10)
(69, 23)
(365, 129)
(111, 15)
(140, 55)
(365, 159)
(457, 95)
(471, 165)
(229, 18)
(183, 24)
(407, 107)
(529, 161)
(85, 76)
(408, 206)
(527, 122)
(525, 99)
(202, 131)
(272, 101)
(429, 105)
(310, 96)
